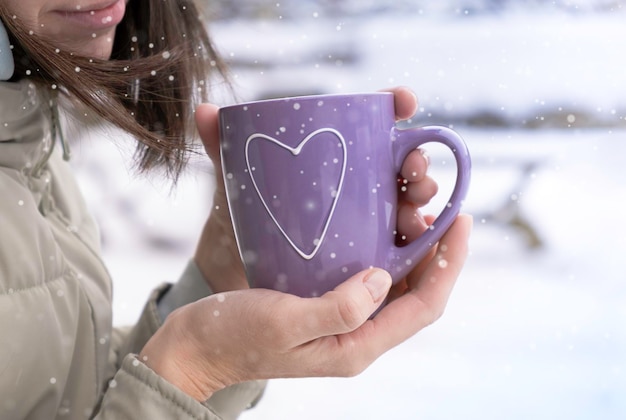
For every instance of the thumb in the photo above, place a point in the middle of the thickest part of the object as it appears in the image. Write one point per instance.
(348, 306)
(206, 117)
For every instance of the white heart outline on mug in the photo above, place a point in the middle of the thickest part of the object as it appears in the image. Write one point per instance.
(295, 151)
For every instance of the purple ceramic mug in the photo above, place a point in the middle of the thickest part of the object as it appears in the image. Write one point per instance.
(312, 188)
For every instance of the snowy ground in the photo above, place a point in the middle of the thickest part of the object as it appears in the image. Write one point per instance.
(529, 332)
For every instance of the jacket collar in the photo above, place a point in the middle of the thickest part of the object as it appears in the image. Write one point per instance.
(29, 126)
(20, 106)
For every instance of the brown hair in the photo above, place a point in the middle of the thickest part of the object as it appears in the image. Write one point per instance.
(159, 70)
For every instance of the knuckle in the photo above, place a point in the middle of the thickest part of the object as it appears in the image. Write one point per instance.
(427, 310)
(349, 313)
(425, 190)
(433, 187)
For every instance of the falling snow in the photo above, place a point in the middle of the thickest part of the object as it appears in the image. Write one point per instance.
(517, 313)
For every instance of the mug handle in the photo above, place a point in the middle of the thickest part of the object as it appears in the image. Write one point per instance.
(405, 258)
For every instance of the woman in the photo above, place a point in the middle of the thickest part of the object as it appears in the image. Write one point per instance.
(142, 66)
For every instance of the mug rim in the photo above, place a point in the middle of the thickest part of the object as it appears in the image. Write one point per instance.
(305, 97)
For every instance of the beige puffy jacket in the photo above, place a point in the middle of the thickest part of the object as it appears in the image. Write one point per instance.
(59, 354)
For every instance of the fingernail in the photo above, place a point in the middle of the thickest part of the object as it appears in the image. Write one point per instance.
(377, 283)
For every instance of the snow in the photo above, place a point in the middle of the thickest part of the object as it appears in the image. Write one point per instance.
(530, 332)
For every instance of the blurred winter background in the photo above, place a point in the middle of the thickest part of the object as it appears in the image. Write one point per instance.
(536, 328)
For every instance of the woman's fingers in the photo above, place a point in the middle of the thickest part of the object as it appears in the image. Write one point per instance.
(343, 309)
(419, 193)
(415, 186)
(411, 223)
(416, 189)
(208, 129)
(428, 290)
(415, 166)
(405, 102)
(421, 304)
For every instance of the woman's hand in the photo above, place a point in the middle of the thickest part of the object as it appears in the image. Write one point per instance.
(415, 188)
(243, 335)
(217, 255)
(254, 334)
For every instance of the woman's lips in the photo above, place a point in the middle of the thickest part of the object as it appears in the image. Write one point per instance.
(98, 16)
